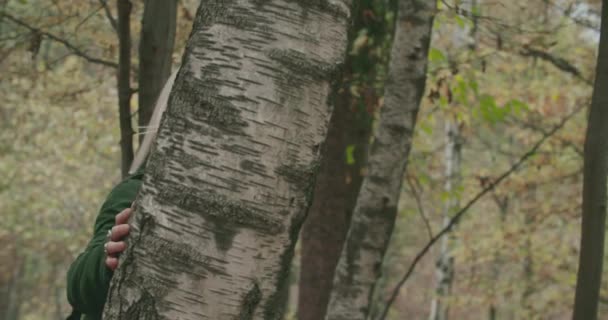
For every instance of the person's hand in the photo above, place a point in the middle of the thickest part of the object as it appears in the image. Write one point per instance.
(114, 246)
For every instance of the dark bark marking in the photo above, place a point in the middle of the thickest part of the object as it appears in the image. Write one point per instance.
(250, 302)
(218, 208)
(298, 63)
(331, 7)
(144, 308)
(179, 257)
(302, 177)
(224, 236)
(254, 167)
(199, 100)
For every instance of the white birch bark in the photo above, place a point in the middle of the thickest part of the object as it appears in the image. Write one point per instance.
(445, 262)
(375, 211)
(230, 177)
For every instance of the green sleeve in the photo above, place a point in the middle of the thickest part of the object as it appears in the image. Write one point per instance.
(88, 278)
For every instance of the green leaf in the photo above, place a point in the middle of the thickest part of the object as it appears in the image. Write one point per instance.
(435, 55)
(475, 86)
(460, 21)
(488, 109)
(516, 106)
(350, 154)
(461, 90)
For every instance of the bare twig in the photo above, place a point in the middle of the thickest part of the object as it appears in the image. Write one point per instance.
(420, 206)
(92, 13)
(558, 62)
(456, 218)
(564, 142)
(111, 18)
(75, 50)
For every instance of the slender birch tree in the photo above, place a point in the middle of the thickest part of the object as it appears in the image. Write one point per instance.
(594, 188)
(376, 208)
(230, 178)
(445, 262)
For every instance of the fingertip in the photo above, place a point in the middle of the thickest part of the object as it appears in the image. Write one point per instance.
(112, 263)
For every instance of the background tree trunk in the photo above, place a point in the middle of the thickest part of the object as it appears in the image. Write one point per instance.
(376, 208)
(232, 172)
(155, 51)
(325, 229)
(340, 175)
(445, 262)
(594, 188)
(10, 293)
(124, 85)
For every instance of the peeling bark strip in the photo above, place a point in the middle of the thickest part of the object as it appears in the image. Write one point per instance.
(231, 174)
(374, 214)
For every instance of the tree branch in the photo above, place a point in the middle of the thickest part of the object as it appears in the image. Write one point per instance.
(456, 218)
(111, 18)
(75, 50)
(558, 62)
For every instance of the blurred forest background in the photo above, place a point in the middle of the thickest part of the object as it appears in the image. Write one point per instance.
(504, 73)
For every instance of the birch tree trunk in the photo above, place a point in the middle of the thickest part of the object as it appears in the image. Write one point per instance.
(156, 44)
(445, 262)
(594, 188)
(376, 208)
(231, 174)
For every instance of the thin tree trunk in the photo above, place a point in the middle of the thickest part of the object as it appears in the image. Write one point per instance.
(155, 51)
(594, 188)
(325, 229)
(124, 85)
(376, 208)
(503, 207)
(526, 302)
(232, 171)
(13, 291)
(339, 178)
(445, 262)
(3, 4)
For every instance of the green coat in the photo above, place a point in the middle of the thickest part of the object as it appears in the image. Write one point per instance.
(88, 277)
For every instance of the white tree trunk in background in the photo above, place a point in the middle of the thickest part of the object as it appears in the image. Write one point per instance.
(231, 175)
(445, 261)
(374, 215)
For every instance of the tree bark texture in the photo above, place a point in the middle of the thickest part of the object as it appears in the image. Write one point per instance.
(340, 175)
(231, 174)
(155, 51)
(376, 208)
(124, 85)
(594, 188)
(445, 263)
